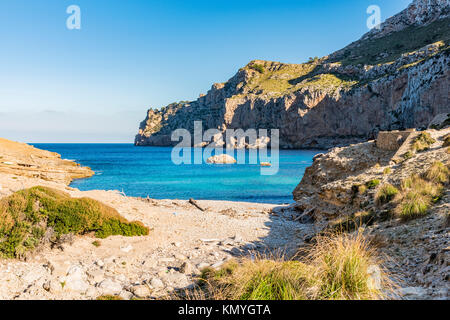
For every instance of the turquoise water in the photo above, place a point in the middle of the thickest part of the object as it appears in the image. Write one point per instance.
(149, 171)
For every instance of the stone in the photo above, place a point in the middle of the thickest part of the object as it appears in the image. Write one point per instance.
(180, 256)
(413, 292)
(76, 279)
(95, 276)
(110, 287)
(141, 291)
(203, 265)
(157, 283)
(177, 280)
(374, 281)
(126, 249)
(186, 268)
(221, 159)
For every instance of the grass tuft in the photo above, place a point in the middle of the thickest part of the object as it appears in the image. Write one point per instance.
(423, 142)
(418, 194)
(372, 184)
(28, 216)
(438, 173)
(340, 267)
(386, 194)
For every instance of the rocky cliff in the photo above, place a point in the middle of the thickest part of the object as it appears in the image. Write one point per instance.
(393, 78)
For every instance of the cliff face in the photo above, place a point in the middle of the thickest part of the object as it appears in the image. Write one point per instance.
(393, 78)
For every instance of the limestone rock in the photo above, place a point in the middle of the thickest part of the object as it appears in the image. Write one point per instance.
(221, 159)
(110, 287)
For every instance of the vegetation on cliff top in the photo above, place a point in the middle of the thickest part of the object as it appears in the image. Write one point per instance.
(389, 48)
(29, 216)
(339, 267)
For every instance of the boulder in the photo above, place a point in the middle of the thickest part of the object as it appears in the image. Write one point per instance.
(222, 159)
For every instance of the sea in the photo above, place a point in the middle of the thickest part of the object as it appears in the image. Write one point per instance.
(150, 172)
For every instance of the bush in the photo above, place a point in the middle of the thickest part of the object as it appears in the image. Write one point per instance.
(372, 184)
(386, 194)
(337, 267)
(258, 67)
(423, 142)
(26, 216)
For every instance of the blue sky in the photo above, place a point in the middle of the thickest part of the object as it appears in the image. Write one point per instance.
(95, 84)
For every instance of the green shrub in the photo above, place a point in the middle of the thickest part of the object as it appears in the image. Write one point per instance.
(25, 216)
(386, 194)
(372, 184)
(258, 67)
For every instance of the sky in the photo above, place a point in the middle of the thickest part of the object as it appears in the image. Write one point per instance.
(96, 83)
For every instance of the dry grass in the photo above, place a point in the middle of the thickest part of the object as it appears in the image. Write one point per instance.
(438, 173)
(447, 141)
(423, 142)
(420, 193)
(337, 267)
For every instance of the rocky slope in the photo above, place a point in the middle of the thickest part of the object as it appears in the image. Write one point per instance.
(24, 160)
(339, 192)
(393, 78)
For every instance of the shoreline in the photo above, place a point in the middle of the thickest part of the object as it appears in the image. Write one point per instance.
(183, 240)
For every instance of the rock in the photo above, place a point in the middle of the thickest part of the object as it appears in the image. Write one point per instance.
(180, 256)
(186, 268)
(127, 248)
(156, 283)
(53, 286)
(221, 159)
(76, 279)
(203, 265)
(177, 280)
(141, 291)
(110, 287)
(126, 295)
(416, 292)
(95, 276)
(218, 265)
(374, 281)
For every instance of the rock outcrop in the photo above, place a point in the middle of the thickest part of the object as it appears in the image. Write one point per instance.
(24, 160)
(393, 78)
